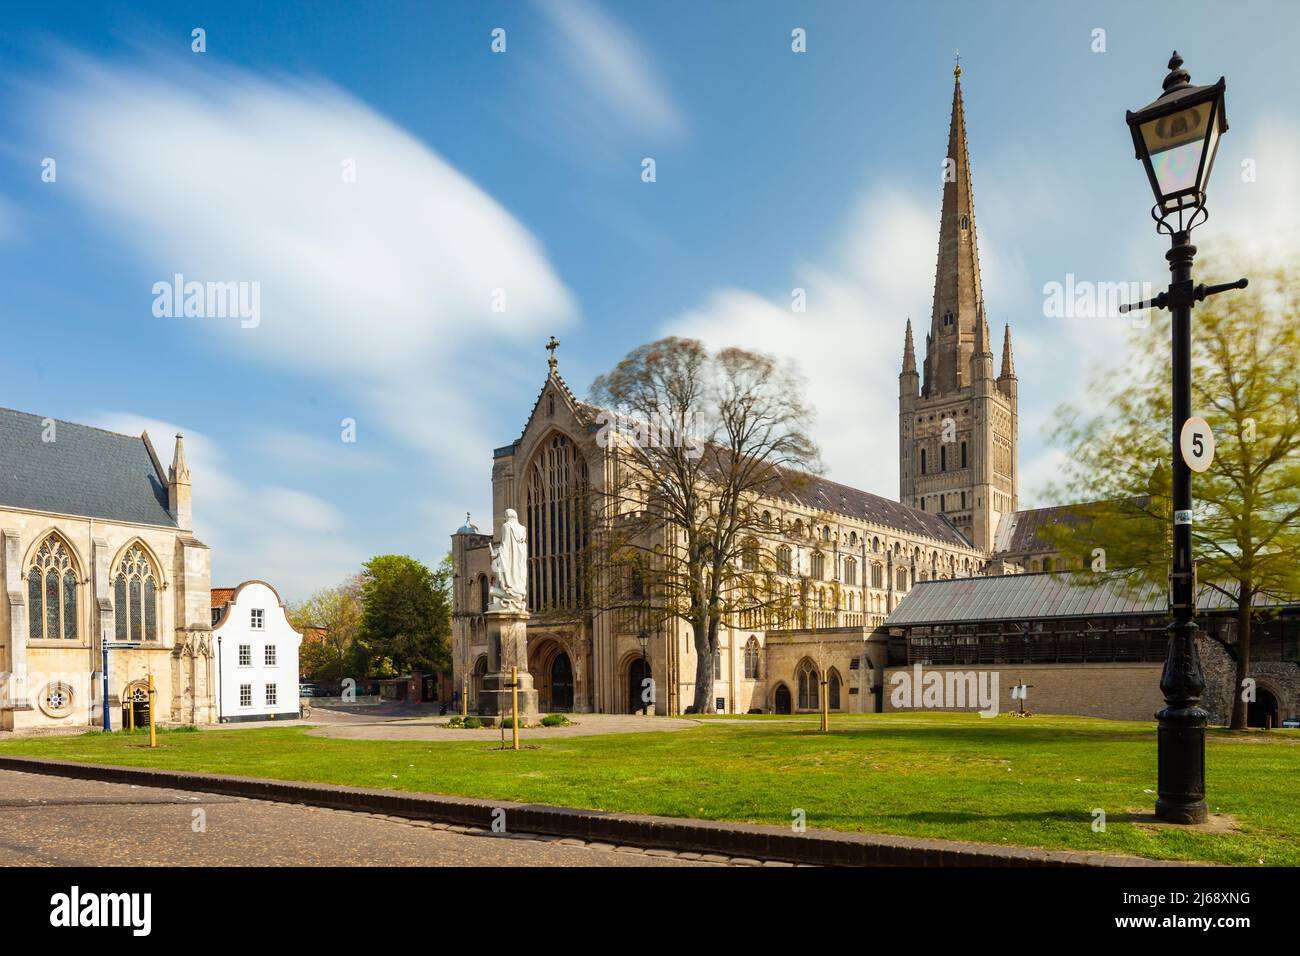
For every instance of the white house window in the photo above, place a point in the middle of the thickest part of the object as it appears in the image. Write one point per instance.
(268, 655)
(271, 695)
(52, 593)
(245, 695)
(245, 655)
(135, 597)
(258, 618)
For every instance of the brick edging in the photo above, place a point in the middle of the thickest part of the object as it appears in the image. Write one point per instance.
(756, 841)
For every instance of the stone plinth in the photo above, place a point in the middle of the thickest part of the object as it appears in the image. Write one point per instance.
(507, 632)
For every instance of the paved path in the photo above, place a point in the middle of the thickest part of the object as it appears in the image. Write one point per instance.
(58, 821)
(354, 727)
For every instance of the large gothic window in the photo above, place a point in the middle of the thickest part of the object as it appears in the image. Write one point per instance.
(850, 571)
(751, 659)
(808, 681)
(52, 593)
(135, 597)
(818, 566)
(557, 526)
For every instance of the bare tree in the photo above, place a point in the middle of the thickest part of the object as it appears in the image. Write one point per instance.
(700, 442)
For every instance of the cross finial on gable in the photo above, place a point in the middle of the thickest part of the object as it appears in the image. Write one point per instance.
(551, 346)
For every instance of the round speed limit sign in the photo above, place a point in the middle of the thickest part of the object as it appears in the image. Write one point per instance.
(1197, 444)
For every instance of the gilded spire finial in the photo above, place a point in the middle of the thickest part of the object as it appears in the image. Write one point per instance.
(957, 69)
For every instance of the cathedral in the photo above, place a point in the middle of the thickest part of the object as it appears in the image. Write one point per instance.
(858, 552)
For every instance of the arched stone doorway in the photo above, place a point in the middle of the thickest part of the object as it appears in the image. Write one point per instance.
(781, 700)
(561, 683)
(553, 670)
(1262, 708)
(476, 682)
(638, 671)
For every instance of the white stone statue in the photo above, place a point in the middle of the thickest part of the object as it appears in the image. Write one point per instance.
(510, 566)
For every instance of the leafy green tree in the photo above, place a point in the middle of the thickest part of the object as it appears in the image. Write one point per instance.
(405, 618)
(336, 612)
(1246, 518)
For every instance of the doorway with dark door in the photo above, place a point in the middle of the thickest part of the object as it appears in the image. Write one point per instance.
(561, 683)
(640, 687)
(781, 700)
(1262, 711)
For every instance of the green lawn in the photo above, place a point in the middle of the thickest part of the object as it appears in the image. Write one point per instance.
(1031, 782)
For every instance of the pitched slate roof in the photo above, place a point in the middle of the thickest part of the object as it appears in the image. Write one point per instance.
(1019, 531)
(1028, 597)
(84, 471)
(853, 503)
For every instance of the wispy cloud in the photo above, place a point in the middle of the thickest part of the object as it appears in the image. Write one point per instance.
(601, 58)
(385, 285)
(283, 535)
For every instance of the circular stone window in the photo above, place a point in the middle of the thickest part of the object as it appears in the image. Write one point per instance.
(56, 700)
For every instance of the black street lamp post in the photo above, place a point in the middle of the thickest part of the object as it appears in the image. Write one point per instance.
(1176, 138)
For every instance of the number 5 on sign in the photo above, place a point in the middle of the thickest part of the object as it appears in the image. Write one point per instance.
(1197, 444)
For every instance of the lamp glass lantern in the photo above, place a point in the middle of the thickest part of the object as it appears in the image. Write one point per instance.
(644, 639)
(1176, 138)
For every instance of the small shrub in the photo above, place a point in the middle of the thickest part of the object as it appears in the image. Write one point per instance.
(555, 720)
(456, 721)
(472, 723)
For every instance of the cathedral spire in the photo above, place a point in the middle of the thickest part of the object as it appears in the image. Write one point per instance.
(958, 297)
(1008, 367)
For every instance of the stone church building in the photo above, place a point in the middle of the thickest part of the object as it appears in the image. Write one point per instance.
(860, 553)
(96, 545)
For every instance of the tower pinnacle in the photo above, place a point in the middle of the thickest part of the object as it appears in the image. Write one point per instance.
(909, 350)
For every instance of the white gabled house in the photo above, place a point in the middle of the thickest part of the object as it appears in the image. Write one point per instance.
(257, 654)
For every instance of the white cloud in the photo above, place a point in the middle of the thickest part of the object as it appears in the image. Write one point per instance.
(383, 285)
(309, 452)
(285, 536)
(601, 59)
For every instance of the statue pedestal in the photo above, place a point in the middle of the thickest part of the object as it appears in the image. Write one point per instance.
(507, 647)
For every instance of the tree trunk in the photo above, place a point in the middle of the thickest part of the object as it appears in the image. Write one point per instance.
(705, 642)
(1245, 596)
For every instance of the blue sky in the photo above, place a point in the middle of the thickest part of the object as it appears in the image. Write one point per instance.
(521, 171)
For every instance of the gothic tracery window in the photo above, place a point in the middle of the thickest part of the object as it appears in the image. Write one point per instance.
(135, 597)
(751, 659)
(52, 593)
(808, 681)
(557, 526)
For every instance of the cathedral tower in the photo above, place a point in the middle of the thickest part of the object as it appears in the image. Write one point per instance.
(958, 426)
